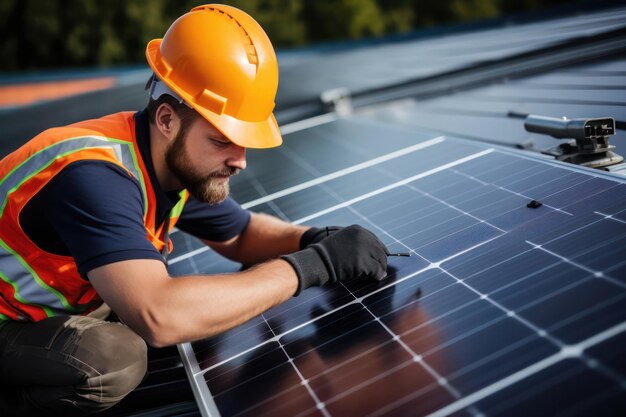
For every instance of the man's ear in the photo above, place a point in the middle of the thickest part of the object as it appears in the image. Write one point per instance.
(167, 121)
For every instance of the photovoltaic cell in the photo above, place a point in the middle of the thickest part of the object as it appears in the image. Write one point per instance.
(502, 309)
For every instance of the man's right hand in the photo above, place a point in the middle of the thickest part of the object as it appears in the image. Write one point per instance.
(351, 252)
(316, 234)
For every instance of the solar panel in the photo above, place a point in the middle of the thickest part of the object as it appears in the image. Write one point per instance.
(502, 309)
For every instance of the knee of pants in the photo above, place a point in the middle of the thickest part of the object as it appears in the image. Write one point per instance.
(119, 360)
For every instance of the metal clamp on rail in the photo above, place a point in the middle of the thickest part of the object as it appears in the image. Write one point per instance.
(590, 145)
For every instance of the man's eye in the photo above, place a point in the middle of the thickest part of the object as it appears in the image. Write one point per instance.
(220, 143)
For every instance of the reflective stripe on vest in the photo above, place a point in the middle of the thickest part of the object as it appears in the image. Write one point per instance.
(27, 284)
(37, 162)
(178, 208)
(14, 270)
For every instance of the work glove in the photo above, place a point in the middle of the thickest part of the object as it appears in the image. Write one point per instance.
(352, 252)
(315, 234)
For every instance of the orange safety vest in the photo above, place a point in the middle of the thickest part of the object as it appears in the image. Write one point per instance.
(35, 284)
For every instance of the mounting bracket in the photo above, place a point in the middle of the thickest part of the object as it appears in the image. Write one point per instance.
(588, 142)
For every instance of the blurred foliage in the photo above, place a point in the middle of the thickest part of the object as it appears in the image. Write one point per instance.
(72, 33)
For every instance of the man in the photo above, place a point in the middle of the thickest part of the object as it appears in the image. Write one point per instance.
(87, 208)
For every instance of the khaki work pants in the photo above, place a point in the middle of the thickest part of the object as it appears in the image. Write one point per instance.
(68, 365)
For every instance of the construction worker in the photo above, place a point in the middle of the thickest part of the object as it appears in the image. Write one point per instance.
(86, 210)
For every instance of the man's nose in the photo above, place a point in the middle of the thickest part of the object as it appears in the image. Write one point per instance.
(237, 158)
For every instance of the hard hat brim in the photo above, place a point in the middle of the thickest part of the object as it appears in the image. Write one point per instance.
(259, 135)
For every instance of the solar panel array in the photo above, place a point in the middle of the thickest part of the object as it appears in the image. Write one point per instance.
(378, 66)
(502, 309)
(584, 91)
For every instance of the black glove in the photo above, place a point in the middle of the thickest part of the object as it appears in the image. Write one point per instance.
(348, 253)
(315, 234)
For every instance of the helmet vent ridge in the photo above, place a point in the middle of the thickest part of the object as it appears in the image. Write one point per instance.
(250, 49)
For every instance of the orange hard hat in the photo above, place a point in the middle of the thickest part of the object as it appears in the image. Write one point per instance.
(219, 61)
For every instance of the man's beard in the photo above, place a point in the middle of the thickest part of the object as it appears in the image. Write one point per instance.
(208, 188)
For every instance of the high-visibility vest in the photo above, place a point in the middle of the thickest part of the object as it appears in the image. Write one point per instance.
(35, 284)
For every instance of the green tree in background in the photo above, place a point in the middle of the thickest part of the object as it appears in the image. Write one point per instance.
(65, 33)
(474, 9)
(343, 19)
(280, 19)
(74, 33)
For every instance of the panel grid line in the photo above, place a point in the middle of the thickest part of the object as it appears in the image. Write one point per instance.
(456, 208)
(595, 173)
(262, 191)
(516, 193)
(404, 400)
(610, 217)
(416, 357)
(337, 174)
(319, 404)
(351, 359)
(369, 381)
(394, 185)
(531, 370)
(595, 274)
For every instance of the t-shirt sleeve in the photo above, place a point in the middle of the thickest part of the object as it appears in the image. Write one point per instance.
(97, 210)
(217, 223)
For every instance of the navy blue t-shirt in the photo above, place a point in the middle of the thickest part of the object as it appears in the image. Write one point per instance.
(93, 211)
